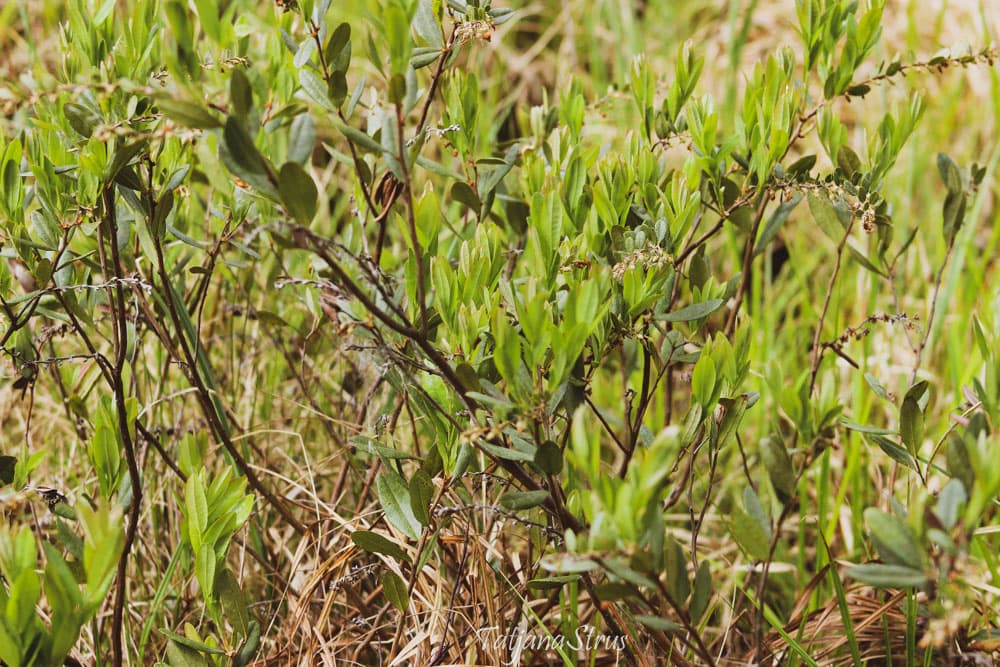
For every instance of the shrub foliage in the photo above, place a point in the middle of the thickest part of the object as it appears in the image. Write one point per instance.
(325, 330)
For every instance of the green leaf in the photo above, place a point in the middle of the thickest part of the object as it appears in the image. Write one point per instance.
(197, 509)
(894, 540)
(950, 502)
(240, 94)
(703, 381)
(426, 24)
(552, 583)
(658, 624)
(82, 119)
(421, 496)
(702, 592)
(959, 462)
(298, 192)
(369, 446)
(953, 214)
(179, 655)
(777, 220)
(338, 88)
(190, 643)
(424, 56)
(895, 452)
(865, 262)
(549, 457)
(208, 12)
(694, 311)
(302, 138)
(396, 24)
(376, 543)
(316, 89)
(394, 497)
(505, 453)
(864, 428)
(676, 571)
(241, 149)
(826, 217)
(848, 161)
(876, 386)
(234, 600)
(951, 176)
(338, 49)
(188, 114)
(463, 192)
(779, 467)
(395, 590)
(250, 647)
(881, 575)
(204, 569)
(522, 500)
(911, 418)
(104, 12)
(750, 527)
(359, 138)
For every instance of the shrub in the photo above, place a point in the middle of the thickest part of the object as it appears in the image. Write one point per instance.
(541, 353)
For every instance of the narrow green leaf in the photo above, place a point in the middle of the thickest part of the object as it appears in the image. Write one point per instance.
(865, 262)
(424, 56)
(394, 497)
(950, 502)
(338, 48)
(552, 583)
(240, 94)
(890, 447)
(779, 467)
(778, 218)
(826, 217)
(953, 214)
(208, 12)
(82, 119)
(359, 138)
(951, 176)
(881, 575)
(302, 138)
(426, 24)
(864, 428)
(250, 647)
(848, 161)
(749, 535)
(876, 386)
(298, 192)
(675, 566)
(694, 311)
(421, 496)
(658, 624)
(911, 418)
(756, 510)
(894, 540)
(197, 509)
(316, 89)
(703, 381)
(702, 592)
(376, 543)
(194, 644)
(522, 500)
(395, 590)
(241, 147)
(188, 114)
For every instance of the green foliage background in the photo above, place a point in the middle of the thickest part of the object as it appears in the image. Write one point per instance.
(342, 331)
